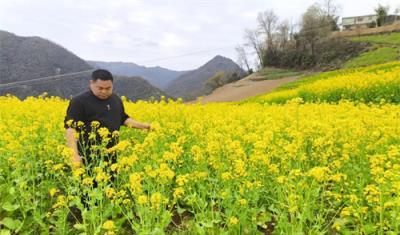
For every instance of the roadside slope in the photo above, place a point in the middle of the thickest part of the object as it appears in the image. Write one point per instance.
(244, 88)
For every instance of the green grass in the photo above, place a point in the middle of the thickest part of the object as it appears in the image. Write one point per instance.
(378, 56)
(392, 39)
(388, 50)
(269, 73)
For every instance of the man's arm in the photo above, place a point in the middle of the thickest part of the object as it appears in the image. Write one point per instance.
(129, 122)
(72, 143)
(75, 112)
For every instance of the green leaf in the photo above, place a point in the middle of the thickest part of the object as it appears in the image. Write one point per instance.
(272, 208)
(11, 223)
(216, 221)
(207, 224)
(5, 232)
(80, 227)
(9, 207)
(369, 229)
(180, 210)
(11, 191)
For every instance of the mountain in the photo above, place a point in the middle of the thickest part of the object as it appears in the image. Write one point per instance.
(192, 84)
(134, 88)
(157, 76)
(24, 58)
(60, 72)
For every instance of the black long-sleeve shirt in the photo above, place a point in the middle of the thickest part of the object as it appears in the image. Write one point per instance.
(86, 107)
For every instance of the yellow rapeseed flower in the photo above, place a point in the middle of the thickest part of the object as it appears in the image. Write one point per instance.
(109, 225)
(233, 220)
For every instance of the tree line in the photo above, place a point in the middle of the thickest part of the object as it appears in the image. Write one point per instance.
(305, 45)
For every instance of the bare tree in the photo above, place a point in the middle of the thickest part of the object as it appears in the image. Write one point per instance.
(253, 40)
(283, 34)
(242, 57)
(257, 64)
(330, 9)
(396, 13)
(314, 26)
(267, 22)
(292, 29)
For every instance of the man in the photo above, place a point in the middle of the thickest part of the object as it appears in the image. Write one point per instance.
(98, 104)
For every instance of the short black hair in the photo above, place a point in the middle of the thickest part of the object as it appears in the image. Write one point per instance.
(102, 74)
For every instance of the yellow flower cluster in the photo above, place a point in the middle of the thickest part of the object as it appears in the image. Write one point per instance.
(303, 166)
(374, 83)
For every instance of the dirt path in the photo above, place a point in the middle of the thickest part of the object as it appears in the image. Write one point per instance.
(244, 88)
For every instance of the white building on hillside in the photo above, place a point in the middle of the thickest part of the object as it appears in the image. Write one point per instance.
(355, 22)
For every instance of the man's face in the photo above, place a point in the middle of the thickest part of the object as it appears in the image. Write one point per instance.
(101, 89)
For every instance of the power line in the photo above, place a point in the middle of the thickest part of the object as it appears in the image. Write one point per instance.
(41, 79)
(61, 76)
(187, 54)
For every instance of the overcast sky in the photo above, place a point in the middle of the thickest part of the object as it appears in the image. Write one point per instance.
(176, 34)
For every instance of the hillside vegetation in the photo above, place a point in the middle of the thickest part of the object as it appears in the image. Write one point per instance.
(375, 56)
(271, 73)
(384, 48)
(392, 39)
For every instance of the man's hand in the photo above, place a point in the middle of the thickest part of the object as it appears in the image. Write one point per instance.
(76, 160)
(135, 124)
(147, 126)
